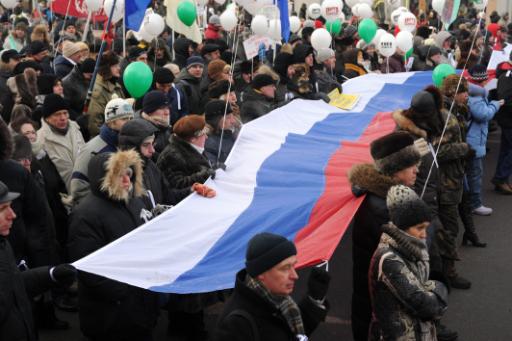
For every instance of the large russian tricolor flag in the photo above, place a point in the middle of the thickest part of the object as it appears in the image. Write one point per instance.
(286, 174)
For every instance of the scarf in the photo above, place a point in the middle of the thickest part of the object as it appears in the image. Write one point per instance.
(285, 304)
(59, 131)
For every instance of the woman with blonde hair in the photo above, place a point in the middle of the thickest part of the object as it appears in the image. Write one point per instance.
(40, 33)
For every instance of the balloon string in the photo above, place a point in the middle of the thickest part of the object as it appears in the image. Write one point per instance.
(451, 109)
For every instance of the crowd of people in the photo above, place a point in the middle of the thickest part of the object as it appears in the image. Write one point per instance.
(76, 174)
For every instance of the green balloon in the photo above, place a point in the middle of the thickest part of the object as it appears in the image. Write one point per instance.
(333, 26)
(440, 72)
(408, 53)
(367, 30)
(187, 12)
(137, 79)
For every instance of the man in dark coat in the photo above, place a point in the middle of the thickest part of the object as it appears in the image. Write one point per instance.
(156, 110)
(10, 58)
(164, 79)
(259, 99)
(75, 85)
(110, 310)
(395, 162)
(71, 55)
(182, 48)
(16, 320)
(183, 162)
(261, 307)
(189, 82)
(222, 129)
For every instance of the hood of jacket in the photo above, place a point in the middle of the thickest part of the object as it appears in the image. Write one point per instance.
(365, 178)
(475, 90)
(185, 76)
(105, 170)
(181, 46)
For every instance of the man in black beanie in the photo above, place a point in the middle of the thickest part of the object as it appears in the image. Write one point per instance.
(164, 81)
(261, 299)
(75, 86)
(259, 98)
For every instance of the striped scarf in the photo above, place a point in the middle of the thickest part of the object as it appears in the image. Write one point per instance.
(285, 304)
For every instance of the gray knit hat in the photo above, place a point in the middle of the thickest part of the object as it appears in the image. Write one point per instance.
(405, 208)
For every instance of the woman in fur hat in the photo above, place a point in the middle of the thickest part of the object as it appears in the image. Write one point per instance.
(110, 310)
(395, 162)
(106, 86)
(405, 302)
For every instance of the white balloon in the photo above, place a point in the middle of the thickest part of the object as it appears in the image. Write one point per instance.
(351, 3)
(253, 6)
(321, 39)
(368, 2)
(387, 45)
(259, 25)
(294, 24)
(228, 20)
(395, 15)
(274, 29)
(407, 22)
(378, 35)
(331, 9)
(220, 2)
(364, 11)
(93, 5)
(404, 40)
(355, 9)
(143, 35)
(154, 24)
(438, 5)
(314, 10)
(118, 10)
(9, 3)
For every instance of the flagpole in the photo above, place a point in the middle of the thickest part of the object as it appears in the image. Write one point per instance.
(98, 59)
(87, 24)
(124, 31)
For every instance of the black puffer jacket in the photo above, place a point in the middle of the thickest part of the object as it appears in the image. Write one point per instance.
(191, 87)
(255, 105)
(110, 309)
(75, 90)
(16, 321)
(405, 303)
(367, 230)
(182, 165)
(270, 324)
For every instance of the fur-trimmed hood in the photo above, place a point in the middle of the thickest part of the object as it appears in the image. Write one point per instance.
(105, 170)
(365, 178)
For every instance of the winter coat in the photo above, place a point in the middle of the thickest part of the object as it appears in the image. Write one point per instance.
(191, 87)
(6, 100)
(161, 193)
(255, 105)
(62, 66)
(481, 112)
(326, 81)
(62, 149)
(395, 62)
(367, 230)
(16, 321)
(212, 32)
(23, 88)
(179, 104)
(504, 115)
(29, 236)
(182, 165)
(267, 319)
(101, 95)
(181, 54)
(211, 147)
(404, 302)
(75, 90)
(105, 142)
(162, 136)
(110, 309)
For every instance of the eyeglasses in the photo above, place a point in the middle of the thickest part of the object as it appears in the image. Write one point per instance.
(202, 132)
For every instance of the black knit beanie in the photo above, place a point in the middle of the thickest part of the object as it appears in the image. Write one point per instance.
(262, 80)
(405, 208)
(163, 76)
(265, 250)
(53, 103)
(214, 111)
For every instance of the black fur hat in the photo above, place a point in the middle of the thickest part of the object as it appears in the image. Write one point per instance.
(394, 152)
(108, 59)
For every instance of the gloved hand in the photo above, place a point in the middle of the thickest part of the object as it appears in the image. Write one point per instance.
(159, 209)
(220, 165)
(203, 190)
(422, 145)
(318, 283)
(63, 274)
(207, 173)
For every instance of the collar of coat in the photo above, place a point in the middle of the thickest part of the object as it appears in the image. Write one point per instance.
(365, 178)
(410, 247)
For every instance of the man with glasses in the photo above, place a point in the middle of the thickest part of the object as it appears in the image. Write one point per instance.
(156, 109)
(117, 112)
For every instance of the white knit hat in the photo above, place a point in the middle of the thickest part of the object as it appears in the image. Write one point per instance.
(117, 108)
(323, 54)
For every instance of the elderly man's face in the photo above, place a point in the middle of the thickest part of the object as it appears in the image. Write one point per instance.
(280, 280)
